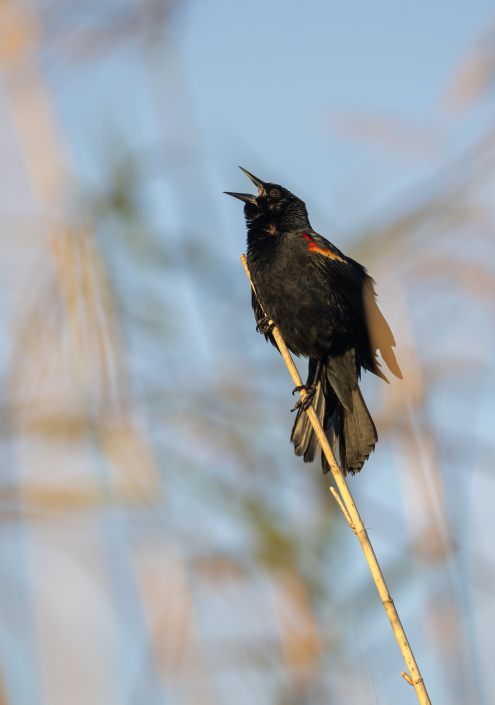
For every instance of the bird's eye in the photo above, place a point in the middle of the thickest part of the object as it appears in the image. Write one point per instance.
(274, 193)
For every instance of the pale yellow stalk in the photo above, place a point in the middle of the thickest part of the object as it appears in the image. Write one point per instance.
(352, 515)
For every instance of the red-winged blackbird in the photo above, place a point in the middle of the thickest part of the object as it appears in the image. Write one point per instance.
(324, 306)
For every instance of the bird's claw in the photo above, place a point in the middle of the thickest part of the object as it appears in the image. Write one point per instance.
(299, 389)
(305, 403)
(265, 326)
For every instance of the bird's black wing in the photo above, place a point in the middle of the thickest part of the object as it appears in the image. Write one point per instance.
(357, 286)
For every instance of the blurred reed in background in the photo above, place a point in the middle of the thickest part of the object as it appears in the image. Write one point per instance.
(159, 544)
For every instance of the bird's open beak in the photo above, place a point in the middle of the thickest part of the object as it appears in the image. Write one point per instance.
(257, 182)
(247, 197)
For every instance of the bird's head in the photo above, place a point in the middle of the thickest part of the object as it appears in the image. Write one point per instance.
(275, 209)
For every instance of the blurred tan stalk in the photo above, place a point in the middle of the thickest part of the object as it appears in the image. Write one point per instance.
(68, 376)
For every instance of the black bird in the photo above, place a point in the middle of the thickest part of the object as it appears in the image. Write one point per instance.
(324, 305)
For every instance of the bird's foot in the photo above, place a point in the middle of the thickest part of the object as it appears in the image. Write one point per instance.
(305, 403)
(265, 326)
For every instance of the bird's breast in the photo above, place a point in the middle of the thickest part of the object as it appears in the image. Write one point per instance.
(296, 293)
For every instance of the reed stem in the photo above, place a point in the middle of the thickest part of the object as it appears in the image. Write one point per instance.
(352, 515)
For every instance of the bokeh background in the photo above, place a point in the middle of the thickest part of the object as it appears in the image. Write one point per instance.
(159, 541)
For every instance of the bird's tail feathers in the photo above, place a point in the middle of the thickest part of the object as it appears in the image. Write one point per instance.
(359, 435)
(349, 427)
(303, 437)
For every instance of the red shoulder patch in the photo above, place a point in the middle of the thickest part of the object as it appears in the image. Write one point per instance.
(313, 247)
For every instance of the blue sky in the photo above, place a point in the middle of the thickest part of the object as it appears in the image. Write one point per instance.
(267, 80)
(271, 86)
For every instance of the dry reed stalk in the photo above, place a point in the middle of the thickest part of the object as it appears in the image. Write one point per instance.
(352, 515)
